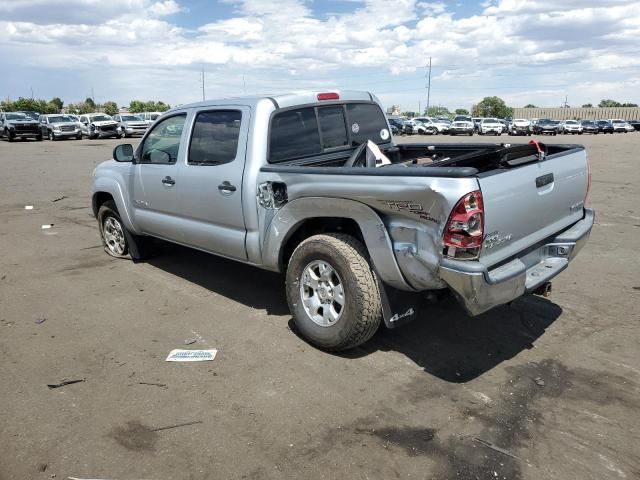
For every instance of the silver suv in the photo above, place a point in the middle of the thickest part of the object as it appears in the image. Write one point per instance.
(131, 124)
(56, 127)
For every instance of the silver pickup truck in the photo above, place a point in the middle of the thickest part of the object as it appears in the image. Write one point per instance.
(314, 186)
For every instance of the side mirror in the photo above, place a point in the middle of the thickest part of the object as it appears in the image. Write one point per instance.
(123, 153)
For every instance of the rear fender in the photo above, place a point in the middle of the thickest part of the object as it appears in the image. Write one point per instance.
(286, 221)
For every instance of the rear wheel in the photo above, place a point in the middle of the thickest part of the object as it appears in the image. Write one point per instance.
(332, 292)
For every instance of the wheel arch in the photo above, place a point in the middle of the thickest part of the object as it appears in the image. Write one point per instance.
(308, 216)
(107, 189)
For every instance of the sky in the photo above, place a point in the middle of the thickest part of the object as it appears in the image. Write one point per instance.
(543, 52)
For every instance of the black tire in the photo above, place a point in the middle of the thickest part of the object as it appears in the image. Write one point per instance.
(10, 136)
(137, 247)
(52, 136)
(79, 136)
(361, 314)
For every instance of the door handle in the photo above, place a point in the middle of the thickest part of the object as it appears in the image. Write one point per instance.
(226, 188)
(168, 180)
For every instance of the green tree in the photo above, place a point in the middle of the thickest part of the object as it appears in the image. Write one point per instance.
(629, 104)
(436, 111)
(529, 105)
(492, 107)
(462, 111)
(609, 103)
(162, 107)
(71, 108)
(587, 105)
(57, 103)
(110, 108)
(136, 106)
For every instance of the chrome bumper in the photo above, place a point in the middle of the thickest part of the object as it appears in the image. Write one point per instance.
(479, 289)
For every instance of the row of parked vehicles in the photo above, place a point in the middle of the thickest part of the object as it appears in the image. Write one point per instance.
(14, 125)
(466, 125)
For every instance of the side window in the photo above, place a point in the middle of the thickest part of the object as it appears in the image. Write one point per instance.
(332, 127)
(294, 134)
(163, 142)
(215, 137)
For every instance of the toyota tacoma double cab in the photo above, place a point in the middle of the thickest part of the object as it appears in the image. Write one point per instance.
(313, 185)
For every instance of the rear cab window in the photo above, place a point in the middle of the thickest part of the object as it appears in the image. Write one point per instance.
(307, 131)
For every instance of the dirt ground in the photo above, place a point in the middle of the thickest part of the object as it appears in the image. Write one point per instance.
(541, 389)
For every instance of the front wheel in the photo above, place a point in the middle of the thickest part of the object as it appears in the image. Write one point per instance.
(332, 292)
(51, 136)
(116, 239)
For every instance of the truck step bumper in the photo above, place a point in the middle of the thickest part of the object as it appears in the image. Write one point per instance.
(479, 289)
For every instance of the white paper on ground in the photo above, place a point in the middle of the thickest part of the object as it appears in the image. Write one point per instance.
(28, 207)
(44, 227)
(179, 355)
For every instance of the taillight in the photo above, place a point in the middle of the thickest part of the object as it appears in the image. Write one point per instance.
(465, 228)
(328, 96)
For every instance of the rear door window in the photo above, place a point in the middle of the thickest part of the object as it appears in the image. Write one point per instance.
(294, 134)
(215, 136)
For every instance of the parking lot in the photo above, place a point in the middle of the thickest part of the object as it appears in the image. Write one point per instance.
(544, 388)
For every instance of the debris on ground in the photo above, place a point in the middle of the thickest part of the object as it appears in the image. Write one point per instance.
(154, 384)
(190, 341)
(493, 447)
(65, 382)
(179, 355)
(539, 381)
(28, 207)
(59, 198)
(41, 320)
(47, 226)
(176, 425)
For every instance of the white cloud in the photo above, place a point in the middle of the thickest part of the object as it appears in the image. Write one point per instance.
(284, 44)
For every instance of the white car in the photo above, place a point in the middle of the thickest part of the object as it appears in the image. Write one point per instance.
(416, 127)
(571, 126)
(149, 117)
(490, 125)
(620, 125)
(520, 126)
(99, 125)
(440, 125)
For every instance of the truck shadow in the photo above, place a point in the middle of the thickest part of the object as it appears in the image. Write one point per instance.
(444, 341)
(242, 283)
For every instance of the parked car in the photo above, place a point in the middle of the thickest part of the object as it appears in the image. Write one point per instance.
(57, 127)
(441, 126)
(520, 126)
(463, 118)
(461, 128)
(570, 126)
(476, 123)
(426, 217)
(589, 126)
(505, 124)
(546, 126)
(18, 125)
(99, 125)
(605, 126)
(635, 124)
(412, 127)
(621, 126)
(31, 114)
(396, 125)
(130, 124)
(490, 125)
(149, 117)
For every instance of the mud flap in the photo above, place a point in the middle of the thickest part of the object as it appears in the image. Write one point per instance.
(398, 307)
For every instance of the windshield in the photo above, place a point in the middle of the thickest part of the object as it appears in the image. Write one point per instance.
(60, 119)
(571, 122)
(617, 121)
(489, 120)
(154, 116)
(17, 116)
(130, 118)
(101, 118)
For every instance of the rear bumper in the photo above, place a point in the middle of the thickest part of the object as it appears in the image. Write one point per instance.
(479, 289)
